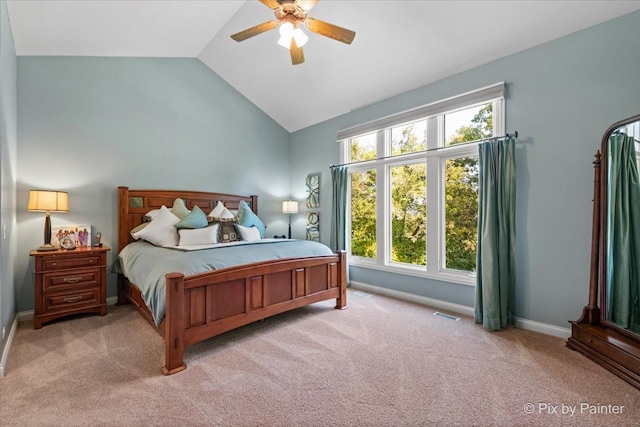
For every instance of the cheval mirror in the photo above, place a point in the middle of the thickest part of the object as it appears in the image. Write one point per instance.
(609, 334)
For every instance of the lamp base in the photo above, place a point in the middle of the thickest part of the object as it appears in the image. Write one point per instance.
(47, 247)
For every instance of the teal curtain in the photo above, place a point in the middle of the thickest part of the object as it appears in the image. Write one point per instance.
(495, 271)
(623, 263)
(340, 179)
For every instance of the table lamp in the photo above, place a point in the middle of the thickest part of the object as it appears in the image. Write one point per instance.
(289, 207)
(48, 201)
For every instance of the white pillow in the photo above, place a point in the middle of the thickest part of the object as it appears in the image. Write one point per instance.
(250, 234)
(199, 236)
(136, 229)
(220, 211)
(152, 214)
(160, 230)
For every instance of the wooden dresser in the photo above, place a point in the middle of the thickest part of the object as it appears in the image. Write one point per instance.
(69, 282)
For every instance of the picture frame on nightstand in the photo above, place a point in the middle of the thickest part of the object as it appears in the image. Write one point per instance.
(80, 235)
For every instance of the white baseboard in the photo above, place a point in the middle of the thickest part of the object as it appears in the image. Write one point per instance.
(543, 328)
(7, 347)
(436, 303)
(526, 324)
(24, 315)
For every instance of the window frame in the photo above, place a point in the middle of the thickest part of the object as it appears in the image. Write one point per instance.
(434, 159)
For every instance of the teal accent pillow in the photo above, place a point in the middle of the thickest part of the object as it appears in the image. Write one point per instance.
(247, 218)
(196, 219)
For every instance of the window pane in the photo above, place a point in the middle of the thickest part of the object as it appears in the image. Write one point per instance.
(363, 214)
(409, 138)
(409, 214)
(363, 147)
(461, 213)
(468, 125)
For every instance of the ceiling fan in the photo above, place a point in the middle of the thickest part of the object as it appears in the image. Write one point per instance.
(290, 16)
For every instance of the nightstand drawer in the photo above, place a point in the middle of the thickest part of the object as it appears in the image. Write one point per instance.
(75, 300)
(71, 279)
(61, 263)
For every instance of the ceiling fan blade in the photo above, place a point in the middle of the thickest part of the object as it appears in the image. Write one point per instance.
(254, 31)
(329, 30)
(271, 4)
(297, 55)
(306, 5)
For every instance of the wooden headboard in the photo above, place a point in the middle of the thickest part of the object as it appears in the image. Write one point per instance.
(134, 204)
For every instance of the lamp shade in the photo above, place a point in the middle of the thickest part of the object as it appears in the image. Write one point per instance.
(48, 201)
(290, 207)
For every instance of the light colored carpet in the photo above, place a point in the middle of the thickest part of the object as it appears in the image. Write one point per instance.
(383, 362)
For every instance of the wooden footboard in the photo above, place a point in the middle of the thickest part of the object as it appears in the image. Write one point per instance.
(205, 305)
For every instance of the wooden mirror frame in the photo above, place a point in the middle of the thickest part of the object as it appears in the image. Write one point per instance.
(611, 346)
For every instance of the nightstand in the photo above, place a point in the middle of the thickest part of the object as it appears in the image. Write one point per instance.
(69, 282)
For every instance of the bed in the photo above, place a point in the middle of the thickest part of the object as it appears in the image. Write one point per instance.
(203, 305)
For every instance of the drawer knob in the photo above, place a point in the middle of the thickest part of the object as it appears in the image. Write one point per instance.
(72, 279)
(73, 299)
(90, 261)
(55, 263)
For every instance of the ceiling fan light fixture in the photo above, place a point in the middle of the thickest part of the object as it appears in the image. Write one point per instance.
(300, 36)
(290, 16)
(288, 31)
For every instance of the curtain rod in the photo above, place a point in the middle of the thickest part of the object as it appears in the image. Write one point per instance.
(619, 132)
(507, 135)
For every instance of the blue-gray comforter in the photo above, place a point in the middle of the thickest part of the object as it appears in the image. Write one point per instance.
(145, 264)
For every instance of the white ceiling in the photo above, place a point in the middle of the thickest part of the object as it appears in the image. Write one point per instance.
(399, 45)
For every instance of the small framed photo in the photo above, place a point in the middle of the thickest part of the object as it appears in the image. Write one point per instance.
(79, 234)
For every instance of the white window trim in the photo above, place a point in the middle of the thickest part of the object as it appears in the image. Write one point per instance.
(434, 160)
(433, 109)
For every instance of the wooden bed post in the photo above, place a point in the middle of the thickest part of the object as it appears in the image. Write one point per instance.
(341, 301)
(123, 212)
(123, 216)
(174, 322)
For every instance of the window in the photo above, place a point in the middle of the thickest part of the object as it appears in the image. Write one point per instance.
(414, 186)
(363, 214)
(408, 213)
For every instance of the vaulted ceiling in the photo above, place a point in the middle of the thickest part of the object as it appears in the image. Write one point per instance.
(399, 45)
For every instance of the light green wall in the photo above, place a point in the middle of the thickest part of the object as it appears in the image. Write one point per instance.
(87, 125)
(561, 97)
(8, 145)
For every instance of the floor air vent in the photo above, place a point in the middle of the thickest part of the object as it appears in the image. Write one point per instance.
(362, 294)
(446, 316)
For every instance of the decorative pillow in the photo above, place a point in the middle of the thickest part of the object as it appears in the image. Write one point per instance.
(151, 215)
(250, 234)
(216, 211)
(220, 212)
(199, 236)
(179, 209)
(134, 230)
(196, 219)
(228, 232)
(248, 219)
(160, 230)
